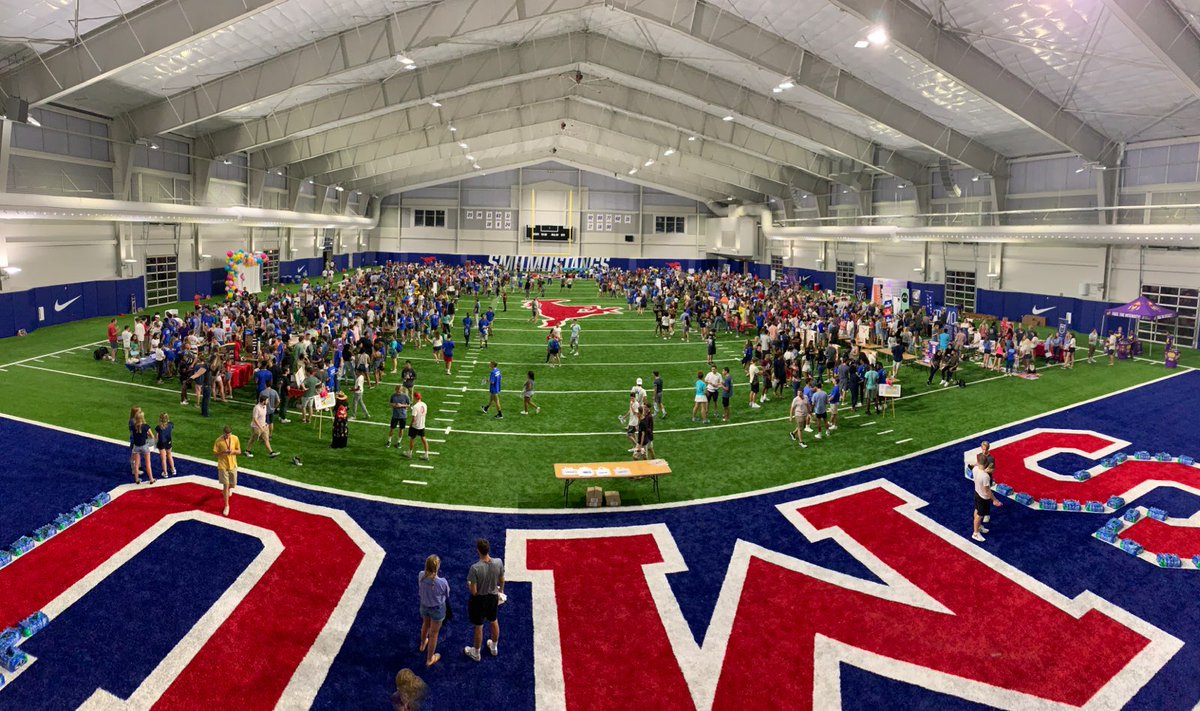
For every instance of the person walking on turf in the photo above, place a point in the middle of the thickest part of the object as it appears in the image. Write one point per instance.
(658, 396)
(527, 395)
(799, 413)
(448, 352)
(227, 447)
(141, 438)
(260, 429)
(494, 391)
(417, 427)
(434, 593)
(360, 385)
(700, 402)
(485, 582)
(575, 329)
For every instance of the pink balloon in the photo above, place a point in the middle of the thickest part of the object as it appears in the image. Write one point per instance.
(229, 254)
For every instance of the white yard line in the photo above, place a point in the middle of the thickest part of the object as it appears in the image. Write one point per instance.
(885, 432)
(417, 483)
(865, 424)
(902, 441)
(45, 355)
(421, 466)
(448, 419)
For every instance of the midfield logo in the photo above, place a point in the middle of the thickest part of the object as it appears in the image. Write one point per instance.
(555, 313)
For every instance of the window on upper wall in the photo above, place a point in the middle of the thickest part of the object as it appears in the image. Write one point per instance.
(429, 218)
(960, 290)
(670, 225)
(270, 269)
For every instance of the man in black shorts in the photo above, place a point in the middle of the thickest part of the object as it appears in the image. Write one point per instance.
(985, 464)
(485, 582)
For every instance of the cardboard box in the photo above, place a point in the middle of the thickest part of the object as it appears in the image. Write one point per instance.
(1030, 321)
(595, 497)
(612, 498)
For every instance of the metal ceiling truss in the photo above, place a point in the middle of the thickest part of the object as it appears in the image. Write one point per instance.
(502, 107)
(602, 152)
(329, 57)
(1166, 33)
(149, 30)
(627, 153)
(742, 38)
(911, 28)
(404, 102)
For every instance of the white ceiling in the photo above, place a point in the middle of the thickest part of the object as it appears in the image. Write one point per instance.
(1076, 53)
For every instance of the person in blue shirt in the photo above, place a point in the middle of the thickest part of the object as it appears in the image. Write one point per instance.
(331, 378)
(835, 399)
(467, 322)
(726, 391)
(262, 377)
(448, 352)
(494, 391)
(485, 329)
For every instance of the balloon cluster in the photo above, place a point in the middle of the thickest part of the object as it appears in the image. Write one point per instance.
(240, 257)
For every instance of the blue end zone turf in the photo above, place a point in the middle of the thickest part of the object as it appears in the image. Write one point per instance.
(157, 597)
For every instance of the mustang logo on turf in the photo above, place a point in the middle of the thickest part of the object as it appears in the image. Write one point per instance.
(554, 313)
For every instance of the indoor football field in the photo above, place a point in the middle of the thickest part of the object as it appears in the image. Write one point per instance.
(52, 377)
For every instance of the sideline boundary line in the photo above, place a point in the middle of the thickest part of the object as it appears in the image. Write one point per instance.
(55, 353)
(601, 511)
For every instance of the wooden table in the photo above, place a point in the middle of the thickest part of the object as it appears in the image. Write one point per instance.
(595, 471)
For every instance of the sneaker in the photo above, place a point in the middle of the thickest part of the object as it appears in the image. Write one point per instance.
(249, 454)
(483, 409)
(524, 412)
(499, 416)
(492, 648)
(792, 435)
(388, 444)
(538, 411)
(755, 406)
(632, 449)
(987, 519)
(226, 511)
(183, 403)
(818, 436)
(274, 454)
(803, 446)
(297, 462)
(807, 428)
(983, 530)
(472, 653)
(832, 427)
(977, 537)
(406, 454)
(425, 456)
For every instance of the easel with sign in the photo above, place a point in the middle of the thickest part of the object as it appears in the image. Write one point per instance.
(324, 401)
(891, 392)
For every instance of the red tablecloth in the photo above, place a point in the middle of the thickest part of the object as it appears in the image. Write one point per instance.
(240, 374)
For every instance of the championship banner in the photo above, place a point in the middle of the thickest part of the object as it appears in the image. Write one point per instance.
(527, 263)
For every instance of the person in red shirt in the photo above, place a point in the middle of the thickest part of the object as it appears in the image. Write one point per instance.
(112, 340)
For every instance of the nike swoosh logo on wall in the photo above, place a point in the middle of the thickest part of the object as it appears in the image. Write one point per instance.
(1039, 312)
(60, 307)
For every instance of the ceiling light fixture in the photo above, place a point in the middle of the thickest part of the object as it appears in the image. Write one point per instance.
(9, 271)
(476, 166)
(728, 117)
(632, 171)
(648, 163)
(669, 152)
(691, 138)
(153, 146)
(777, 90)
(974, 178)
(1081, 168)
(787, 84)
(435, 104)
(33, 121)
(339, 188)
(862, 44)
(471, 158)
(462, 146)
(405, 60)
(453, 130)
(878, 36)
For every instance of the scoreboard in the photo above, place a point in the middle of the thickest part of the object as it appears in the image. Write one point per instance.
(556, 233)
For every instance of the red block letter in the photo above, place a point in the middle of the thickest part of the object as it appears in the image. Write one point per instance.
(948, 617)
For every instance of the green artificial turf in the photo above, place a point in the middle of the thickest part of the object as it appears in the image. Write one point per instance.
(509, 463)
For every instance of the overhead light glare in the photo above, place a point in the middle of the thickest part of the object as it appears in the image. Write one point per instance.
(777, 90)
(435, 104)
(11, 270)
(669, 152)
(974, 178)
(453, 130)
(787, 84)
(339, 188)
(877, 36)
(153, 146)
(648, 163)
(691, 138)
(462, 146)
(1081, 168)
(632, 171)
(728, 117)
(862, 44)
(918, 269)
(993, 275)
(405, 60)
(33, 121)
(471, 158)
(476, 167)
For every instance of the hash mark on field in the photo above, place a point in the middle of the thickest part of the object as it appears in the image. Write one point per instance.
(885, 432)
(439, 441)
(444, 419)
(418, 483)
(851, 417)
(442, 409)
(867, 424)
(421, 466)
(902, 441)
